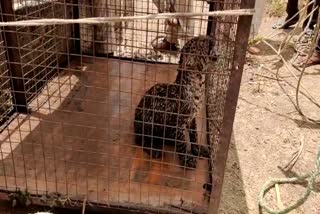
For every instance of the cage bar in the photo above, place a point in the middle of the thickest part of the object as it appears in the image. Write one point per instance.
(11, 44)
(232, 94)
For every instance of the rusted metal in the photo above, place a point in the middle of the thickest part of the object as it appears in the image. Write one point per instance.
(241, 43)
(13, 57)
(212, 21)
(211, 30)
(77, 45)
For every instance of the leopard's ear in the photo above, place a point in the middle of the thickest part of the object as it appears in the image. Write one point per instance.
(211, 45)
(213, 55)
(212, 50)
(180, 59)
(183, 60)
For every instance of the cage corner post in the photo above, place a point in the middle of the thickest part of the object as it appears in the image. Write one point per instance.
(212, 21)
(76, 33)
(13, 57)
(241, 43)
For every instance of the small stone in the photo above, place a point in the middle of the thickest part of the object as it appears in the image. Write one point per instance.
(253, 50)
(14, 203)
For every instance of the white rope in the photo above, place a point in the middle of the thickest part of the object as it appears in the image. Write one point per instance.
(102, 20)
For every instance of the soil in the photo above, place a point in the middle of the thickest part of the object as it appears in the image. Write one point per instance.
(268, 130)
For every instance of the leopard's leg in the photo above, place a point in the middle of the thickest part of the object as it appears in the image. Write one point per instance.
(196, 149)
(186, 157)
(152, 147)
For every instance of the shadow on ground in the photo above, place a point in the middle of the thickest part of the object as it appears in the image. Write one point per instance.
(233, 198)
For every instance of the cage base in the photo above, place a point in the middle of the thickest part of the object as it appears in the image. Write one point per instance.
(65, 146)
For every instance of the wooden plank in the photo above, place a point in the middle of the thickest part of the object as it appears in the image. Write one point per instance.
(13, 57)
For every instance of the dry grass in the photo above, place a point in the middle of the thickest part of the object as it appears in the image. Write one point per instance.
(276, 8)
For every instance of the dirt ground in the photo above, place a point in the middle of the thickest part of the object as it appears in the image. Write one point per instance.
(268, 129)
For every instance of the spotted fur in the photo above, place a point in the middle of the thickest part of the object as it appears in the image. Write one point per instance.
(167, 112)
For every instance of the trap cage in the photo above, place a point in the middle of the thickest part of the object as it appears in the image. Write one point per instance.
(69, 93)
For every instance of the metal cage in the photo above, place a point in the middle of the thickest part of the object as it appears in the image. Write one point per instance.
(69, 93)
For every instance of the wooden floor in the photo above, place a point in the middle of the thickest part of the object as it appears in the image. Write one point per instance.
(78, 140)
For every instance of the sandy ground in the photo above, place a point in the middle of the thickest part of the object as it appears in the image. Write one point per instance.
(267, 130)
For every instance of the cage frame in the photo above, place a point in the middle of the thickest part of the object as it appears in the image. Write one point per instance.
(243, 31)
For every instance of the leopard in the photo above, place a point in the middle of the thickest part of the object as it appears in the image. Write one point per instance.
(167, 112)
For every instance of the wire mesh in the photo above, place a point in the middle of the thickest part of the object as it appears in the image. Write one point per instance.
(79, 140)
(40, 47)
(217, 85)
(6, 104)
(135, 39)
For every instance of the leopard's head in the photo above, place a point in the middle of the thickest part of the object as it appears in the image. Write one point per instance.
(197, 53)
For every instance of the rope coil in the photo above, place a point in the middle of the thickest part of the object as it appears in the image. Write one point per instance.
(310, 178)
(103, 20)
